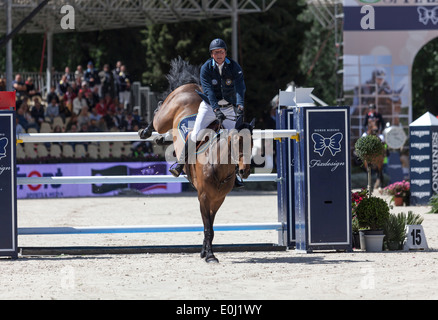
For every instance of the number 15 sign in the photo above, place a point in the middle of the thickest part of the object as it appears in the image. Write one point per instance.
(416, 239)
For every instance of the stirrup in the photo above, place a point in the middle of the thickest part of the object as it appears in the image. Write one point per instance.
(238, 184)
(176, 170)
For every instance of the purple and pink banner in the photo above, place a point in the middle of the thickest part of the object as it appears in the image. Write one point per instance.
(93, 169)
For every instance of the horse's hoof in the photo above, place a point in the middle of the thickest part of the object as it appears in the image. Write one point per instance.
(211, 259)
(203, 254)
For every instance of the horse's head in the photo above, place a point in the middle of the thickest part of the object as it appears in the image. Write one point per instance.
(373, 128)
(241, 147)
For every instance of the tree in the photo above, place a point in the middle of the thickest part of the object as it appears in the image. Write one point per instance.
(270, 45)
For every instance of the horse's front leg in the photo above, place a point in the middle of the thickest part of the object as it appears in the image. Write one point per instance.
(207, 219)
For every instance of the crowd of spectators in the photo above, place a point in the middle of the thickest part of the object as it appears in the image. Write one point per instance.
(86, 100)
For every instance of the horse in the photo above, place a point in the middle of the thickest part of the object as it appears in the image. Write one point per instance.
(213, 171)
(377, 165)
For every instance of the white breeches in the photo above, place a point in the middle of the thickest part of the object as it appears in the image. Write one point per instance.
(206, 116)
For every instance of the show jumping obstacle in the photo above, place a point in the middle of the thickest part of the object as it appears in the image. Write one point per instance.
(313, 211)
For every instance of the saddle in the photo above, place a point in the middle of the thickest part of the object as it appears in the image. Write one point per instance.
(185, 127)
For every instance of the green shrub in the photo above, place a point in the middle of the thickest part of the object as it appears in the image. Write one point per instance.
(434, 203)
(395, 228)
(368, 148)
(372, 213)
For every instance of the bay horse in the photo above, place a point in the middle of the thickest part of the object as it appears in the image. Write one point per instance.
(213, 171)
(377, 165)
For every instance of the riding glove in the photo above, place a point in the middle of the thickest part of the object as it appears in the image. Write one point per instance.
(219, 115)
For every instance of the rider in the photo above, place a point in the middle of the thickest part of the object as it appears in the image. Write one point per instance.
(223, 89)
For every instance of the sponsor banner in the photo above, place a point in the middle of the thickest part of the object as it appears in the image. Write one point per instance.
(93, 169)
(423, 163)
(322, 178)
(390, 18)
(8, 212)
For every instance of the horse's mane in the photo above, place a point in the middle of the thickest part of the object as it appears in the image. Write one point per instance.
(181, 72)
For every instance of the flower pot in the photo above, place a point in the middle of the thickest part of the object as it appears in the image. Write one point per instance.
(372, 240)
(398, 201)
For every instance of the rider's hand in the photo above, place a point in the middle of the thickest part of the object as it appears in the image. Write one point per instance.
(219, 115)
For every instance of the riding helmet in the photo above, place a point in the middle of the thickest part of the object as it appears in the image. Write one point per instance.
(218, 44)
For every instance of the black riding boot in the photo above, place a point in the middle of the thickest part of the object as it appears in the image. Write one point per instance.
(183, 158)
(146, 133)
(237, 183)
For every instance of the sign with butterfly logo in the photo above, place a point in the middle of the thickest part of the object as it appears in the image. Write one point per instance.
(322, 178)
(8, 197)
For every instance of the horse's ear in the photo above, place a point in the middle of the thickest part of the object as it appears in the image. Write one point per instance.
(252, 124)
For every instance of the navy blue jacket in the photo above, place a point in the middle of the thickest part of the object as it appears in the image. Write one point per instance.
(230, 86)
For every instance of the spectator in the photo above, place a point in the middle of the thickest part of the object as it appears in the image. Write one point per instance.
(68, 76)
(136, 115)
(52, 110)
(30, 87)
(19, 86)
(84, 88)
(128, 123)
(110, 119)
(64, 111)
(93, 126)
(2, 84)
(89, 97)
(83, 117)
(100, 107)
(24, 117)
(79, 74)
(75, 87)
(63, 85)
(83, 128)
(109, 103)
(107, 81)
(73, 122)
(58, 129)
(69, 97)
(115, 73)
(72, 128)
(124, 86)
(18, 127)
(52, 95)
(78, 103)
(94, 115)
(91, 76)
(38, 112)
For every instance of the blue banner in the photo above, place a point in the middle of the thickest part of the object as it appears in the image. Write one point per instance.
(388, 18)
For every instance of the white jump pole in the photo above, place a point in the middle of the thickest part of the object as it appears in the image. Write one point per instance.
(270, 177)
(276, 226)
(128, 136)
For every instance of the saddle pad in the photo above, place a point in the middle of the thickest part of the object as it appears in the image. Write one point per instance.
(185, 126)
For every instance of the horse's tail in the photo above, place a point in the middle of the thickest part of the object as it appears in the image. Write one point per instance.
(181, 72)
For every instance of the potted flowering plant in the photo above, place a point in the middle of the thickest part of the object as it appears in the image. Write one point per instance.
(400, 192)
